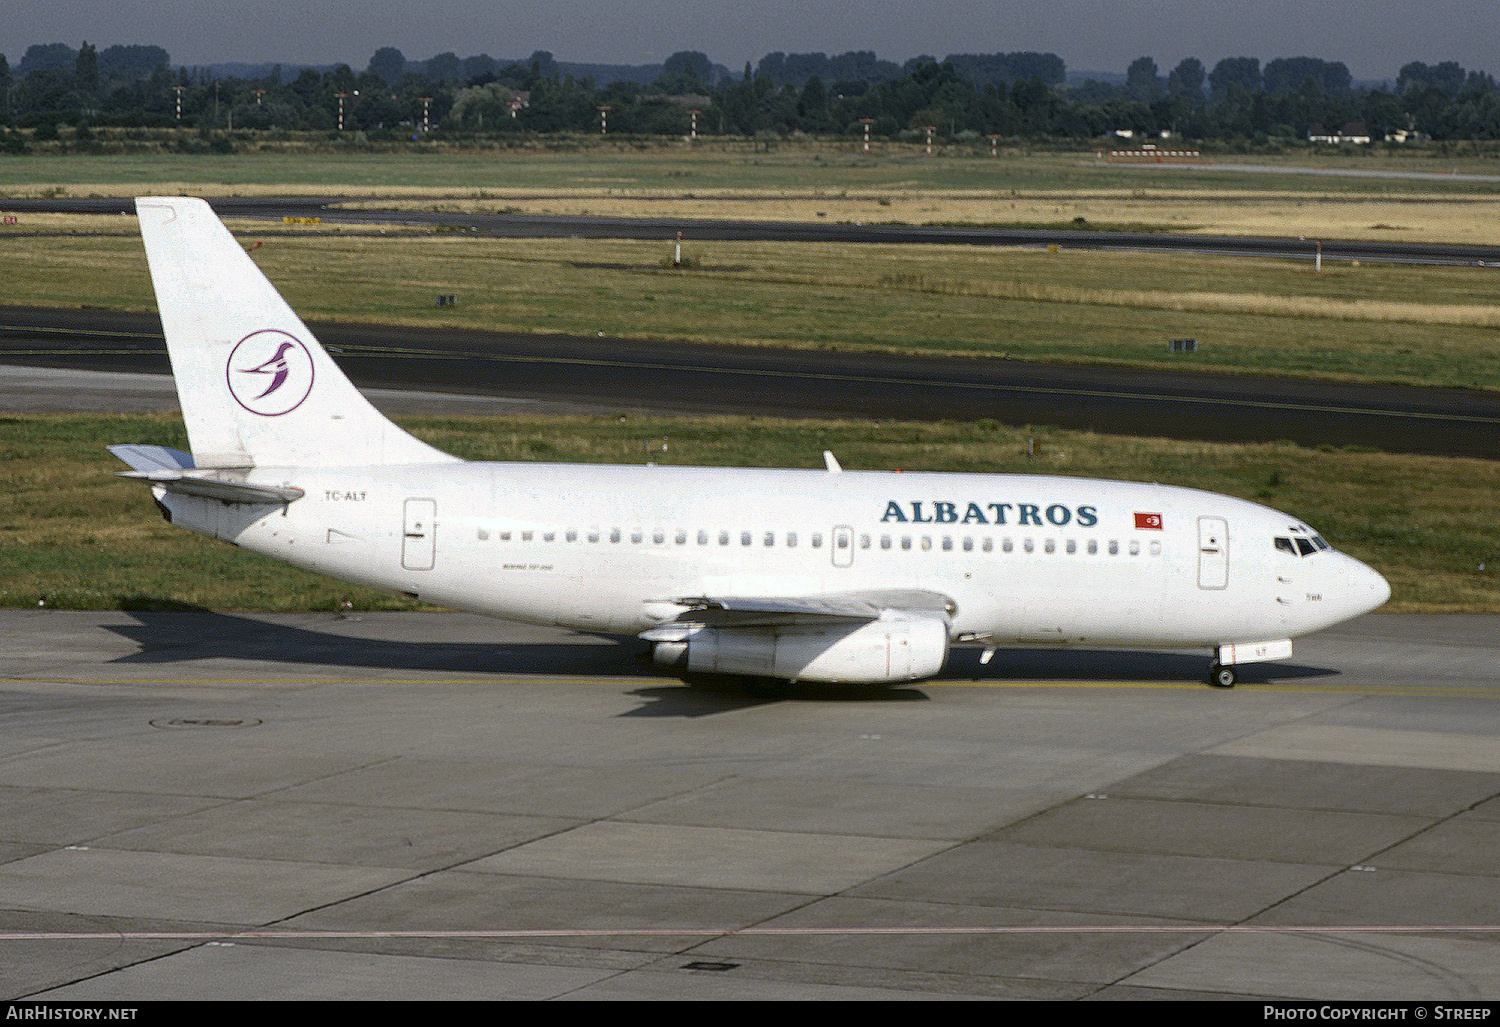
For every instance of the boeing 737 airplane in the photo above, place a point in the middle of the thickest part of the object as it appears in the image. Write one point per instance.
(772, 575)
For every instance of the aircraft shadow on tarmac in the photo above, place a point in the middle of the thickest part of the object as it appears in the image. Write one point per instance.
(186, 633)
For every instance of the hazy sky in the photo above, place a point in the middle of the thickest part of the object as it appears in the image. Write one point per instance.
(1373, 37)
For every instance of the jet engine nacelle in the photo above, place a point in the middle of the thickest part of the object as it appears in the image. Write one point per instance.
(894, 649)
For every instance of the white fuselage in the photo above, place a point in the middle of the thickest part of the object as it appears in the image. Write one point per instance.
(781, 574)
(1025, 558)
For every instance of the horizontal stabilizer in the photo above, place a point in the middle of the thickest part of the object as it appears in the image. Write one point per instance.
(174, 471)
(153, 458)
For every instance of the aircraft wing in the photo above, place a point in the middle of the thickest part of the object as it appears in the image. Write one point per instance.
(765, 611)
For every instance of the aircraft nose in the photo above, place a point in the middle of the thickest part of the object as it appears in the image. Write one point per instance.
(1364, 588)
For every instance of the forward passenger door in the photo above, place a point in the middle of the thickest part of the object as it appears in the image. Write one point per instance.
(1213, 552)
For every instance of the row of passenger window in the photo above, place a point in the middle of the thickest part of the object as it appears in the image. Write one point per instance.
(986, 544)
(842, 540)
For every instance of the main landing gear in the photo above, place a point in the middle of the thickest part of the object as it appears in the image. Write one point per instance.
(1221, 675)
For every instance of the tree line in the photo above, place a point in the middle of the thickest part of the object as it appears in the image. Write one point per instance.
(1012, 95)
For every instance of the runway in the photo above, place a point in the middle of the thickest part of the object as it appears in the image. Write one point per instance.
(551, 373)
(501, 225)
(418, 806)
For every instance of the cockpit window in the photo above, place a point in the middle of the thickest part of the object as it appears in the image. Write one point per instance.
(1301, 545)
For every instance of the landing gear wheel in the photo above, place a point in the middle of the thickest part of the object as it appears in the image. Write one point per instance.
(1221, 676)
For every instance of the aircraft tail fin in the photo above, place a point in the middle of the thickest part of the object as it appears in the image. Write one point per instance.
(256, 388)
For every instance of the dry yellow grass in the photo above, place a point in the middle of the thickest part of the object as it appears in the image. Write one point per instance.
(1470, 314)
(1433, 325)
(168, 187)
(986, 273)
(1472, 218)
(1468, 218)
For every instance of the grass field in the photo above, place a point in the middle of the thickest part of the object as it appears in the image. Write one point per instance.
(1429, 325)
(675, 165)
(72, 535)
(1435, 325)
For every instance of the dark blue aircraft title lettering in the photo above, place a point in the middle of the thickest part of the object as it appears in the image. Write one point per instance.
(922, 511)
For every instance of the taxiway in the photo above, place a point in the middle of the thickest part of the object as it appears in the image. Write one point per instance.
(546, 373)
(406, 806)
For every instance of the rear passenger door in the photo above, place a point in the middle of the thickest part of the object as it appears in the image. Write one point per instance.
(419, 535)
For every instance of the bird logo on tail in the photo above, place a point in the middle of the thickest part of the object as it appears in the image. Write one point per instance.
(276, 366)
(269, 373)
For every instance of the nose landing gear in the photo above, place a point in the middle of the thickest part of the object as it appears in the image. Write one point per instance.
(1221, 675)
